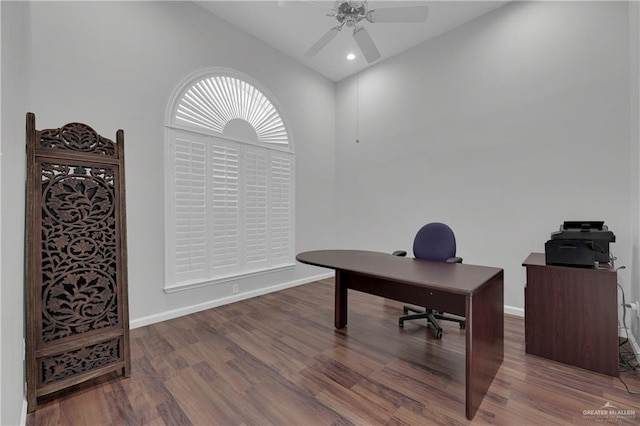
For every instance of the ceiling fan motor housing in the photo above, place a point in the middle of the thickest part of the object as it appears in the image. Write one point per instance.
(350, 12)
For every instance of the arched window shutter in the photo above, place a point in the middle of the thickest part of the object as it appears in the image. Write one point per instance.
(215, 101)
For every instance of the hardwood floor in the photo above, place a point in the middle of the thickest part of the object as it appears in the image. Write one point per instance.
(277, 360)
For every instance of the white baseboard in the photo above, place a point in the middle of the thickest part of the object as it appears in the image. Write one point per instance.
(175, 313)
(512, 310)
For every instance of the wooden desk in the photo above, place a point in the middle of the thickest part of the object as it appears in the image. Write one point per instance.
(475, 292)
(571, 315)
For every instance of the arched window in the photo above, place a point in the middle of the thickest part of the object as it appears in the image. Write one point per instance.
(229, 181)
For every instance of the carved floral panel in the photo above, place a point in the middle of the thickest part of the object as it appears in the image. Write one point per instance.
(80, 360)
(79, 242)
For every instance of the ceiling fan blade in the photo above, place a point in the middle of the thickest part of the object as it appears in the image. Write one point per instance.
(399, 14)
(317, 4)
(322, 41)
(366, 45)
(286, 3)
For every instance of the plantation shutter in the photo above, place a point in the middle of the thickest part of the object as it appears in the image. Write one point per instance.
(281, 208)
(225, 194)
(190, 221)
(255, 217)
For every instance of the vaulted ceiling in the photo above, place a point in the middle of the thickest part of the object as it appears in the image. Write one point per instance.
(293, 26)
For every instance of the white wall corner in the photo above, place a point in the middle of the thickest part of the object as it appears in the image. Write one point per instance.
(23, 415)
(0, 217)
(634, 72)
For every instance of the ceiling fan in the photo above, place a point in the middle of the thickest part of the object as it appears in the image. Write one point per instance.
(350, 13)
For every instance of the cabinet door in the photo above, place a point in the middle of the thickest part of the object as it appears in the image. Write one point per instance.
(571, 316)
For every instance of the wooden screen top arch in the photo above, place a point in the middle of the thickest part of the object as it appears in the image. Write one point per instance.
(76, 138)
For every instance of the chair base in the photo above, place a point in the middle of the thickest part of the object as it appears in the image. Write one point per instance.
(432, 318)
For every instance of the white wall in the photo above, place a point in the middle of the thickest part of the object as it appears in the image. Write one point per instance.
(114, 65)
(15, 54)
(502, 128)
(0, 220)
(634, 71)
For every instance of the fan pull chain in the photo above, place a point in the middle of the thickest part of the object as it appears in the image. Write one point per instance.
(357, 108)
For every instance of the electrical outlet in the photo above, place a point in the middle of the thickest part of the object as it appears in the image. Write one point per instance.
(235, 288)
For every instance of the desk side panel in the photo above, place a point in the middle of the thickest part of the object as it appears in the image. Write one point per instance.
(485, 341)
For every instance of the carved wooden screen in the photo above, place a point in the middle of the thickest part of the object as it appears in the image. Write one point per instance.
(76, 259)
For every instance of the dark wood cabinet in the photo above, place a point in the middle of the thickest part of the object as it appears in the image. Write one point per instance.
(571, 315)
(76, 259)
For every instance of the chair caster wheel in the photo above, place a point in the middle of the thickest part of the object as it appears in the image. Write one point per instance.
(405, 310)
(438, 334)
(463, 325)
(401, 323)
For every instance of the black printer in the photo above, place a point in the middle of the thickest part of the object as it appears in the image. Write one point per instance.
(580, 244)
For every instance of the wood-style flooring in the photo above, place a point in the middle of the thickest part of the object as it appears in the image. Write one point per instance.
(277, 360)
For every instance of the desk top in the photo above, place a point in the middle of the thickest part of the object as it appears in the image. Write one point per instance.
(452, 277)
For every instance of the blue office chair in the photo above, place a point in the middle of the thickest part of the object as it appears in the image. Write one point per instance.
(434, 241)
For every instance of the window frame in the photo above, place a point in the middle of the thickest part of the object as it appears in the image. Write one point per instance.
(172, 132)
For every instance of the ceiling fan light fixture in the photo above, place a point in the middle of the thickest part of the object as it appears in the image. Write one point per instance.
(351, 56)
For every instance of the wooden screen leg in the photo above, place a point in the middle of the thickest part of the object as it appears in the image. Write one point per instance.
(341, 299)
(32, 401)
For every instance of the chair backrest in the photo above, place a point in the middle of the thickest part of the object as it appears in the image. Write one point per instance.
(434, 241)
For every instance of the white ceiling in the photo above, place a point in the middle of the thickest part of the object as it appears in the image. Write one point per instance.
(293, 26)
